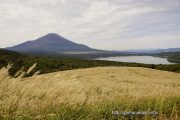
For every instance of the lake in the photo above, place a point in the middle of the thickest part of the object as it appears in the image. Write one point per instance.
(137, 59)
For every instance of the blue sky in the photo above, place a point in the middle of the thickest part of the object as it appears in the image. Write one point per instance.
(102, 24)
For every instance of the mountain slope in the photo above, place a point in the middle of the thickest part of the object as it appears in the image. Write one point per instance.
(52, 43)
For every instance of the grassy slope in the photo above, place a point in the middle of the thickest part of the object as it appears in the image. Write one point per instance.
(52, 64)
(90, 94)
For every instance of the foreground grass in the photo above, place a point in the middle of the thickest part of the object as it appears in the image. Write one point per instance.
(90, 94)
(167, 108)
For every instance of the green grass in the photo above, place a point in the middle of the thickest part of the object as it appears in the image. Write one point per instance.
(167, 109)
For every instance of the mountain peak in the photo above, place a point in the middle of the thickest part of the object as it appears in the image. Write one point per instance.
(51, 42)
(52, 36)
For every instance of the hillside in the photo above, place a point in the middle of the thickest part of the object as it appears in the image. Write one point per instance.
(47, 64)
(174, 57)
(171, 56)
(50, 43)
(90, 93)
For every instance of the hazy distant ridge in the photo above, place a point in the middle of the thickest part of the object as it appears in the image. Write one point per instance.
(54, 44)
(154, 51)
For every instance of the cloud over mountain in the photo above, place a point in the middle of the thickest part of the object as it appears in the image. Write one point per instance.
(103, 24)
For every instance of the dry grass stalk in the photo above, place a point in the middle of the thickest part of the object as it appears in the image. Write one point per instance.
(22, 75)
(19, 72)
(9, 66)
(36, 73)
(31, 69)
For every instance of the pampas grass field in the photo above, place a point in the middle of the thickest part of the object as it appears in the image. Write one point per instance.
(89, 94)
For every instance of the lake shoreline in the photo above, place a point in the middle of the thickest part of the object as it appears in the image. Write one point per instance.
(144, 59)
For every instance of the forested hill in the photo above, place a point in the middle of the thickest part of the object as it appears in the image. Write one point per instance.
(171, 56)
(51, 64)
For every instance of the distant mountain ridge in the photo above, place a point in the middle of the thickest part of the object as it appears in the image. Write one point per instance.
(153, 51)
(52, 43)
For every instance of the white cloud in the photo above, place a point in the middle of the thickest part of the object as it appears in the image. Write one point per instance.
(104, 24)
